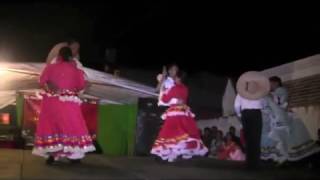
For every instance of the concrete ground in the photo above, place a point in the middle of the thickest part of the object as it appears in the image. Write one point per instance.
(20, 164)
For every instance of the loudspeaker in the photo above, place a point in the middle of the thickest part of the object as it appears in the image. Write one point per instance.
(148, 125)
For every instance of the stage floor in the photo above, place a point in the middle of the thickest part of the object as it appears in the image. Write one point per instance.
(20, 164)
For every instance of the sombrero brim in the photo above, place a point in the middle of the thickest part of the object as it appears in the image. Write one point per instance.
(263, 85)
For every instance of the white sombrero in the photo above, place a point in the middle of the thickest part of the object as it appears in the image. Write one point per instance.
(262, 85)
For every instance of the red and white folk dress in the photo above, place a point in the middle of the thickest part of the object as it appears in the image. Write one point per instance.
(179, 135)
(61, 130)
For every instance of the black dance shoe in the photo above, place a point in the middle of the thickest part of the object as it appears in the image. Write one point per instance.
(75, 161)
(50, 160)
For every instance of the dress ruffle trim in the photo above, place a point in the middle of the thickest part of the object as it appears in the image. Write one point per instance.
(170, 149)
(295, 153)
(66, 96)
(181, 110)
(63, 146)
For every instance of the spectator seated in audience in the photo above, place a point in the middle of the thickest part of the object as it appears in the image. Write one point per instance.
(230, 150)
(207, 137)
(216, 144)
(236, 139)
(214, 131)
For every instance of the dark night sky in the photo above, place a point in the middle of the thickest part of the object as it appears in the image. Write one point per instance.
(222, 39)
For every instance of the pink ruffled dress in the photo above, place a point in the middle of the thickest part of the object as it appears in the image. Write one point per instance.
(62, 131)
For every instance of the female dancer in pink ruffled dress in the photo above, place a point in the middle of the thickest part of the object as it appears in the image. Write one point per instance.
(62, 131)
(179, 136)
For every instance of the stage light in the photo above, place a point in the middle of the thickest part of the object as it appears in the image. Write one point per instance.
(5, 118)
(3, 71)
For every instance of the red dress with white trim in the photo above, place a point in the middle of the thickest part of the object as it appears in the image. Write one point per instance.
(179, 136)
(61, 130)
(231, 151)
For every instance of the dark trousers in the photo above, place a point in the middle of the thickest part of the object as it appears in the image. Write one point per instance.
(252, 126)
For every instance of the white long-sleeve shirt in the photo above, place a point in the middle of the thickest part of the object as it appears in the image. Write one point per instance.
(241, 104)
(166, 86)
